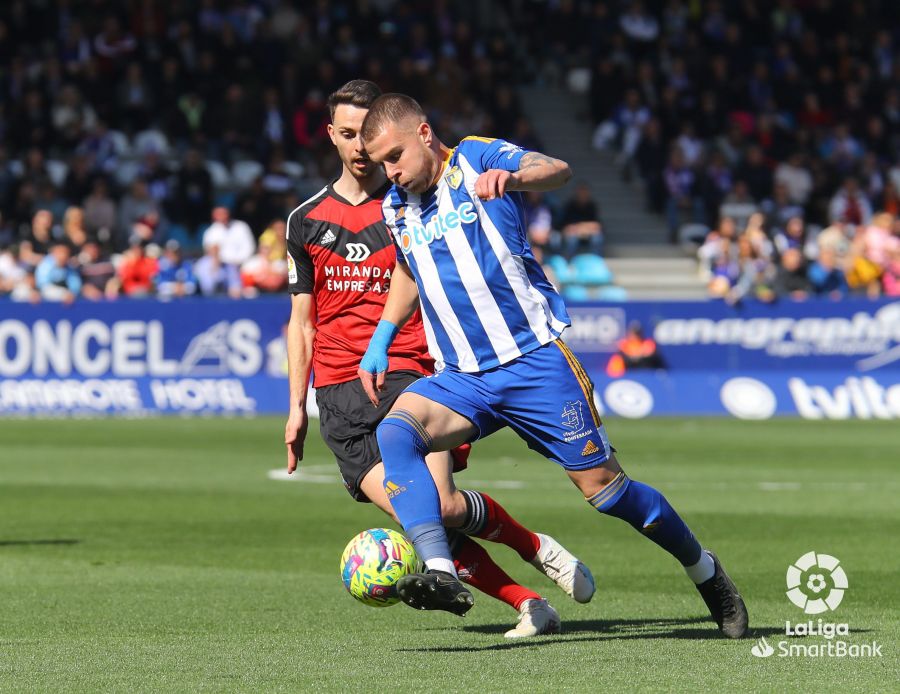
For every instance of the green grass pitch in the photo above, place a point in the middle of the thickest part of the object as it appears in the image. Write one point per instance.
(158, 555)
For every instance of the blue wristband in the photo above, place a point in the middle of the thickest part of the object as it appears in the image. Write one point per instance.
(375, 360)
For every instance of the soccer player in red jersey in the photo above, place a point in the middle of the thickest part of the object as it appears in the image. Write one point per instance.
(340, 260)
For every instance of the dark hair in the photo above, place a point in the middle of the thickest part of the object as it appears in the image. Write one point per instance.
(390, 108)
(359, 93)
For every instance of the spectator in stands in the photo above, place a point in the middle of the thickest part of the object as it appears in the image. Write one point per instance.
(757, 274)
(137, 271)
(791, 279)
(192, 198)
(725, 272)
(232, 238)
(639, 25)
(79, 179)
(100, 211)
(39, 239)
(262, 272)
(48, 198)
(715, 183)
(581, 226)
(135, 100)
(538, 224)
(863, 275)
(136, 205)
(634, 351)
(796, 178)
(683, 197)
(834, 238)
(25, 290)
(12, 272)
(72, 117)
(113, 46)
(215, 277)
(878, 239)
(255, 206)
(73, 228)
(849, 205)
(624, 128)
(100, 149)
(826, 277)
(275, 238)
(891, 277)
(55, 278)
(739, 204)
(792, 236)
(651, 161)
(780, 209)
(175, 278)
(756, 174)
(755, 231)
(158, 178)
(718, 243)
(98, 274)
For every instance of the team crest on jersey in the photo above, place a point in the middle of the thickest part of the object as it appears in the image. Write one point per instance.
(292, 269)
(401, 213)
(454, 177)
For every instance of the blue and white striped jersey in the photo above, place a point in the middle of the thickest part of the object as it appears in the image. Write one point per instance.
(485, 299)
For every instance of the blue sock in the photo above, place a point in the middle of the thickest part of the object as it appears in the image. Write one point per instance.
(404, 443)
(649, 513)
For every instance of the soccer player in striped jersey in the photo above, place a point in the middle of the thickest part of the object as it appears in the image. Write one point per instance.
(493, 323)
(340, 260)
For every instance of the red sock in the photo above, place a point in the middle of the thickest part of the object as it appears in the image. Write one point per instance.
(475, 567)
(489, 520)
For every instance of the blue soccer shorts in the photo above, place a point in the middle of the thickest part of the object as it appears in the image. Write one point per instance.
(545, 396)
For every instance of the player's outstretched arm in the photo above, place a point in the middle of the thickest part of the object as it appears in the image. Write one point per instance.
(300, 333)
(402, 302)
(536, 172)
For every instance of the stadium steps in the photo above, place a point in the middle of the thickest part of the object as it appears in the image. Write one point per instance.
(666, 278)
(559, 118)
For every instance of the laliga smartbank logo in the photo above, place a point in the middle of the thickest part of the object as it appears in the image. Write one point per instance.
(816, 583)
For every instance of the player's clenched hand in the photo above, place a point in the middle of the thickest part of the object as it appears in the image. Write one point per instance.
(493, 183)
(295, 436)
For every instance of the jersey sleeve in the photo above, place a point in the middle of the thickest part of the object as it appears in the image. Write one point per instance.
(301, 273)
(389, 214)
(493, 153)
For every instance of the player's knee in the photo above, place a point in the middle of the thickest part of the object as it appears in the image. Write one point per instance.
(453, 510)
(594, 480)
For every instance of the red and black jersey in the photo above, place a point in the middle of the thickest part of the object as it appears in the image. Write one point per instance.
(344, 256)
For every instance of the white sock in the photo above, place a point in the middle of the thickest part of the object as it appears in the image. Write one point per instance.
(703, 570)
(441, 564)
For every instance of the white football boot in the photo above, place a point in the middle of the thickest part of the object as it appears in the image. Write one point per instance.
(536, 617)
(564, 569)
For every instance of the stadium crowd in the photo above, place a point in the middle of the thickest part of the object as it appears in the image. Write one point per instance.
(132, 132)
(128, 128)
(775, 123)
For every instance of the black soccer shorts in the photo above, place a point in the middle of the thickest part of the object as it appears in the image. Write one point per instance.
(347, 421)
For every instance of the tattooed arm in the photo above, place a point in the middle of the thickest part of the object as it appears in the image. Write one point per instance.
(539, 172)
(536, 172)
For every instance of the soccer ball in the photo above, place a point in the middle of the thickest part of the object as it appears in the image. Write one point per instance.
(373, 562)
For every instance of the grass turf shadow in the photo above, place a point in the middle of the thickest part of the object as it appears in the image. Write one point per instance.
(602, 630)
(27, 543)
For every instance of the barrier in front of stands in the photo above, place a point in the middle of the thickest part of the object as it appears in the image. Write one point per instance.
(820, 359)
